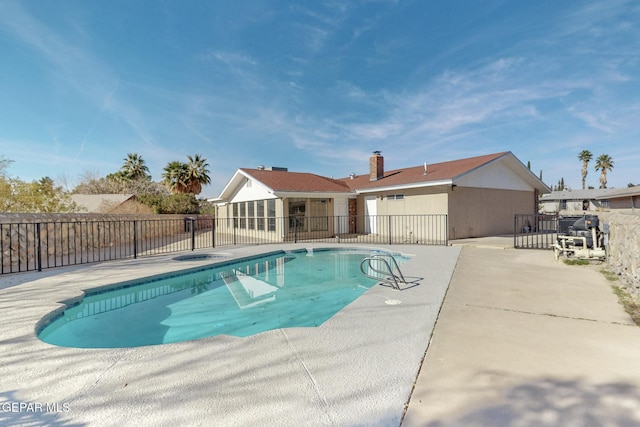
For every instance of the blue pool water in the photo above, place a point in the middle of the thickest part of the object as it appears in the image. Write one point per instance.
(244, 298)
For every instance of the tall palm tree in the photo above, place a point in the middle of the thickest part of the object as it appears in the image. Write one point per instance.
(197, 173)
(604, 163)
(134, 167)
(585, 156)
(175, 177)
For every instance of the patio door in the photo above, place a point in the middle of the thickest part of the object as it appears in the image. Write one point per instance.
(371, 210)
(340, 216)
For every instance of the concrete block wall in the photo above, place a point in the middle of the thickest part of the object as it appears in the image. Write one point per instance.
(623, 257)
(623, 250)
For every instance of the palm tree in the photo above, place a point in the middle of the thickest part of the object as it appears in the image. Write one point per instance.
(175, 177)
(197, 173)
(604, 163)
(585, 156)
(134, 167)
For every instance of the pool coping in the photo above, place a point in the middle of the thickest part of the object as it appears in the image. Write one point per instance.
(357, 368)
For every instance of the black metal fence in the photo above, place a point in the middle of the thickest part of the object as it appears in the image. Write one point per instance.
(538, 231)
(373, 229)
(40, 245)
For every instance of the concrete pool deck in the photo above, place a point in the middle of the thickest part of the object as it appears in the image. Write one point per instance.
(520, 339)
(358, 368)
(523, 340)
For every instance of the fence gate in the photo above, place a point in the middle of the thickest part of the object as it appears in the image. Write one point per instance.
(538, 231)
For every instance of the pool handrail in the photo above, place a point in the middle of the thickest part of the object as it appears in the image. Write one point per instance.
(389, 276)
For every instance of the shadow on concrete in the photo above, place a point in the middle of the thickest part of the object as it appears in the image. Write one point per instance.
(556, 402)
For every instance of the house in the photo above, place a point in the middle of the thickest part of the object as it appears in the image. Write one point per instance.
(574, 200)
(600, 199)
(623, 198)
(479, 197)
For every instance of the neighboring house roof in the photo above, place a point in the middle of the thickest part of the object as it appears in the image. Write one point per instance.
(622, 192)
(95, 203)
(588, 194)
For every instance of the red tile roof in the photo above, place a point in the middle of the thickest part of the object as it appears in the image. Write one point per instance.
(413, 175)
(297, 181)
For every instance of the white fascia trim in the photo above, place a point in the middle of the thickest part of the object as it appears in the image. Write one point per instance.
(285, 194)
(405, 186)
(231, 185)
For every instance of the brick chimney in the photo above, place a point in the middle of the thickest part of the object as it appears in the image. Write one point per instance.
(376, 166)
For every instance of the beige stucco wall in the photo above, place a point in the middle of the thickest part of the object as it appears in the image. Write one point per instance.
(431, 200)
(473, 212)
(416, 201)
(477, 212)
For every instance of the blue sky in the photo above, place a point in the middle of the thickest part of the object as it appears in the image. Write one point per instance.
(316, 86)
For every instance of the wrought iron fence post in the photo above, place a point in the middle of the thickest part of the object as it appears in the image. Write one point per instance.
(135, 239)
(446, 230)
(39, 247)
(193, 233)
(213, 232)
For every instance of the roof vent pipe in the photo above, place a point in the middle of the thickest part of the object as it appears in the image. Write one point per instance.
(425, 168)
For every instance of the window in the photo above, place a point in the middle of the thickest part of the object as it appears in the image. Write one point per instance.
(251, 215)
(260, 215)
(395, 197)
(235, 215)
(243, 215)
(271, 215)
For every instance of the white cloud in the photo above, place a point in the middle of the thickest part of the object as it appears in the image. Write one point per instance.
(233, 60)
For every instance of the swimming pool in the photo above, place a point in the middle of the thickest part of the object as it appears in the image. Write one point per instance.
(240, 298)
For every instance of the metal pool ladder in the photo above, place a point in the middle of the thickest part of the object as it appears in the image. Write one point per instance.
(384, 268)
